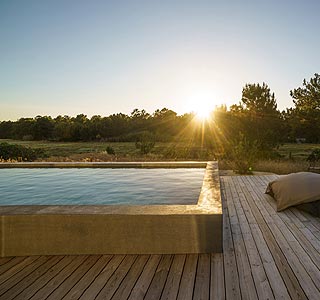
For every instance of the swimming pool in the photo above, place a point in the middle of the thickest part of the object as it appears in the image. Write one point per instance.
(115, 229)
(100, 186)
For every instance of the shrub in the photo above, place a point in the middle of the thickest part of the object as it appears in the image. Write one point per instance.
(27, 137)
(110, 150)
(244, 154)
(314, 157)
(187, 152)
(19, 152)
(145, 142)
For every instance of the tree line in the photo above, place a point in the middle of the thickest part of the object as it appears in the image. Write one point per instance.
(164, 124)
(255, 122)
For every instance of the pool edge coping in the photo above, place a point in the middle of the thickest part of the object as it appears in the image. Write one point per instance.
(155, 164)
(209, 200)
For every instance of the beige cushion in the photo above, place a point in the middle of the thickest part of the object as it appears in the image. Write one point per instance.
(294, 189)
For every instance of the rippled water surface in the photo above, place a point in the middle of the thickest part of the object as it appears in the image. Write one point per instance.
(99, 186)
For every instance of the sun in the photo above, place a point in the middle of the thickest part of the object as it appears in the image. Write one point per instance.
(202, 104)
(202, 113)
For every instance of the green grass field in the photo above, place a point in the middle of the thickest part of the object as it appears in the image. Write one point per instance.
(298, 151)
(67, 149)
(293, 155)
(287, 151)
(123, 151)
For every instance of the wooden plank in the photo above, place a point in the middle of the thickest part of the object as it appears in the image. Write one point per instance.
(247, 286)
(274, 276)
(115, 280)
(11, 263)
(99, 282)
(217, 289)
(17, 268)
(311, 224)
(14, 293)
(157, 284)
(12, 281)
(72, 280)
(307, 240)
(260, 279)
(202, 283)
(188, 277)
(72, 264)
(310, 256)
(312, 219)
(173, 281)
(143, 283)
(303, 217)
(131, 278)
(43, 279)
(291, 282)
(278, 287)
(4, 260)
(232, 284)
(86, 280)
(302, 264)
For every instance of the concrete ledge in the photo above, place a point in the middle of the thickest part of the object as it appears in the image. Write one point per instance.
(55, 230)
(116, 165)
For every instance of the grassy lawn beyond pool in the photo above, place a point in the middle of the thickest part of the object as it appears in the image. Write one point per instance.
(124, 151)
(293, 156)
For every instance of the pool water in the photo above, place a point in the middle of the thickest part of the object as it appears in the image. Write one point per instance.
(100, 186)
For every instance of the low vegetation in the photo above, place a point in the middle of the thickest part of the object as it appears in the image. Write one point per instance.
(13, 152)
(314, 157)
(145, 142)
(291, 157)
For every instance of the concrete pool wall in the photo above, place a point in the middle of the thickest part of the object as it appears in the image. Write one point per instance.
(116, 229)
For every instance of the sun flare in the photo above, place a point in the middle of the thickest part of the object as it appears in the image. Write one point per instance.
(202, 104)
(202, 113)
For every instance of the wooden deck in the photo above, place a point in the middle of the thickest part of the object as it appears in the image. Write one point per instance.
(267, 255)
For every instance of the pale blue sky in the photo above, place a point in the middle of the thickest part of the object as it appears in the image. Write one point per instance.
(103, 57)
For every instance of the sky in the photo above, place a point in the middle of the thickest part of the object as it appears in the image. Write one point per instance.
(67, 57)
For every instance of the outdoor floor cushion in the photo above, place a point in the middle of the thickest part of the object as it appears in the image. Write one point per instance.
(294, 189)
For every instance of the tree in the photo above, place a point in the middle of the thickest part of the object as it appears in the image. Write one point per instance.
(63, 128)
(6, 129)
(118, 125)
(96, 127)
(308, 96)
(307, 110)
(24, 127)
(80, 128)
(139, 120)
(43, 128)
(258, 99)
(164, 123)
(257, 117)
